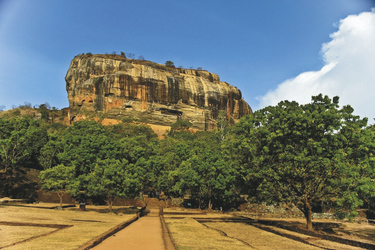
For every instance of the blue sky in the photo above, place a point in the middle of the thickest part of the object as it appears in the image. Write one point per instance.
(270, 49)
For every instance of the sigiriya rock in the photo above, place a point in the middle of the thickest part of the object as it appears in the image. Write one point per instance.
(155, 93)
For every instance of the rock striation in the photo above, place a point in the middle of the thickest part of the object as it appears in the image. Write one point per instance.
(151, 92)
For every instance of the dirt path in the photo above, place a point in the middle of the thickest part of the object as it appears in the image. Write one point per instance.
(146, 233)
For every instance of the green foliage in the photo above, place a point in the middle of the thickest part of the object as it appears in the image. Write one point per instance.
(172, 152)
(20, 142)
(300, 153)
(44, 111)
(180, 126)
(114, 179)
(49, 152)
(303, 154)
(17, 112)
(169, 64)
(206, 175)
(222, 123)
(90, 148)
(58, 179)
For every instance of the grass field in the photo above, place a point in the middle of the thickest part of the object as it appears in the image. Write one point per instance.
(83, 226)
(190, 234)
(70, 228)
(208, 231)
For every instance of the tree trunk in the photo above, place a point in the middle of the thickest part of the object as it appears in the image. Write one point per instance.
(61, 198)
(110, 203)
(308, 214)
(209, 205)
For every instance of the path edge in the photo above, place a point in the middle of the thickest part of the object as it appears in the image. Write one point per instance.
(97, 240)
(168, 242)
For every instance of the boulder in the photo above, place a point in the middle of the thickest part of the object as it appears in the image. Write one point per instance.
(150, 92)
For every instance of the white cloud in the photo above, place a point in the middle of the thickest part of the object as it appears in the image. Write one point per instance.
(349, 70)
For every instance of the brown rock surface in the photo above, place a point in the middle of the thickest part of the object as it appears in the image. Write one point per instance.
(153, 93)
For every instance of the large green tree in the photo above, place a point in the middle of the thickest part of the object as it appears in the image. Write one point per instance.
(59, 179)
(20, 142)
(173, 150)
(114, 179)
(91, 147)
(359, 142)
(138, 144)
(49, 152)
(206, 174)
(299, 153)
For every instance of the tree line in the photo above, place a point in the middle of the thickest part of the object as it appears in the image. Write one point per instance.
(306, 155)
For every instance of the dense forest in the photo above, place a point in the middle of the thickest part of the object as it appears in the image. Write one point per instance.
(306, 155)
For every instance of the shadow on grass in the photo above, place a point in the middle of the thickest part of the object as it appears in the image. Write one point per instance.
(121, 210)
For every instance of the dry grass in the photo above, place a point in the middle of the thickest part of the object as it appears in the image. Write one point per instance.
(360, 232)
(85, 226)
(13, 234)
(258, 238)
(193, 213)
(190, 234)
(265, 240)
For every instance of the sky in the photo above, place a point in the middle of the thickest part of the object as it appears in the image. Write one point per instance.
(272, 50)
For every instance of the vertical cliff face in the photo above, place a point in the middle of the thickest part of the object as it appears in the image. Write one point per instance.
(157, 94)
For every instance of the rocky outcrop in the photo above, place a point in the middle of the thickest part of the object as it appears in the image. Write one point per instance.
(154, 93)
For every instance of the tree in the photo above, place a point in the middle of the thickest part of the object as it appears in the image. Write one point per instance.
(206, 174)
(130, 55)
(173, 150)
(298, 153)
(91, 147)
(114, 179)
(169, 64)
(59, 179)
(180, 126)
(84, 144)
(20, 142)
(44, 111)
(360, 167)
(54, 113)
(123, 54)
(222, 123)
(49, 152)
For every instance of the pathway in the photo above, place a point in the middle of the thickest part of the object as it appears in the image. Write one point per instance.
(145, 233)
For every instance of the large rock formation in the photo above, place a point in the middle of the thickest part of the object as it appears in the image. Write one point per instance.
(153, 93)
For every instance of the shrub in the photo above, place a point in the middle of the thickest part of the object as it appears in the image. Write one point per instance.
(169, 64)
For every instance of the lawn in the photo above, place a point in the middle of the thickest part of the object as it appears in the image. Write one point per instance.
(39, 226)
(223, 231)
(190, 234)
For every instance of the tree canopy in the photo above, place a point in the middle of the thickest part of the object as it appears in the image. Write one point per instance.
(59, 179)
(301, 153)
(310, 155)
(20, 142)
